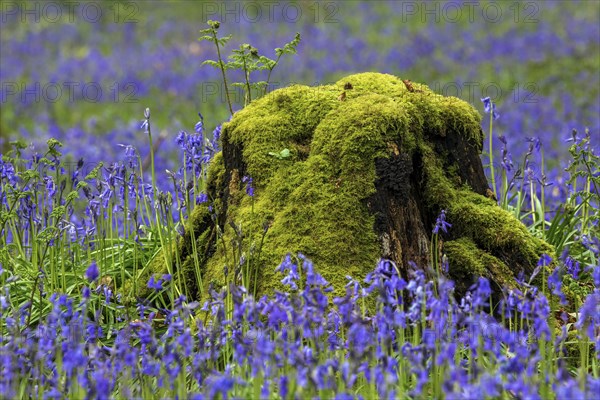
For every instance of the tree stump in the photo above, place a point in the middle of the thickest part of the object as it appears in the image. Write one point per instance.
(372, 162)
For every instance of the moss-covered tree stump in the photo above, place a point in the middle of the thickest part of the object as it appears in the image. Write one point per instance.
(372, 162)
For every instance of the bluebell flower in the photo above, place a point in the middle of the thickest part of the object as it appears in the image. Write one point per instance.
(482, 292)
(7, 171)
(535, 142)
(573, 267)
(92, 272)
(249, 188)
(216, 135)
(201, 198)
(199, 127)
(283, 386)
(181, 139)
(506, 162)
(573, 137)
(487, 104)
(441, 223)
(490, 106)
(555, 284)
(50, 186)
(596, 275)
(222, 384)
(313, 278)
(129, 150)
(156, 285)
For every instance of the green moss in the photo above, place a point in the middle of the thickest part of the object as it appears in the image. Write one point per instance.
(315, 201)
(467, 262)
(478, 219)
(495, 230)
(216, 171)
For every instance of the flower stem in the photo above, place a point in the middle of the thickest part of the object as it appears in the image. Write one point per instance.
(491, 155)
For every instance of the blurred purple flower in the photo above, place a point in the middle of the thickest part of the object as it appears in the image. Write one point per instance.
(201, 198)
(199, 127)
(596, 276)
(573, 267)
(92, 272)
(555, 284)
(155, 284)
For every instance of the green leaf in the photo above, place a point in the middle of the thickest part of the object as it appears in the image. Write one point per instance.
(212, 63)
(58, 212)
(30, 174)
(258, 85)
(47, 234)
(267, 61)
(283, 154)
(74, 195)
(81, 184)
(213, 24)
(223, 41)
(94, 173)
(52, 145)
(19, 144)
(290, 48)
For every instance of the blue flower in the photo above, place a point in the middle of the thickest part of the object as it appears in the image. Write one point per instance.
(181, 139)
(249, 188)
(573, 137)
(490, 106)
(487, 104)
(92, 272)
(156, 285)
(596, 276)
(222, 384)
(573, 267)
(129, 150)
(283, 386)
(555, 283)
(201, 198)
(50, 186)
(199, 127)
(441, 223)
(482, 292)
